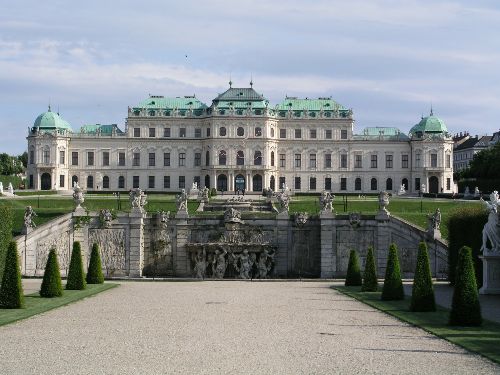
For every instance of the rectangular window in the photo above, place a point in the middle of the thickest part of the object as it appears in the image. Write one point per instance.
(343, 134)
(282, 182)
(197, 159)
(182, 159)
(105, 158)
(166, 132)
(328, 183)
(152, 132)
(312, 183)
(434, 160)
(61, 180)
(298, 161)
(166, 182)
(343, 160)
(121, 159)
(197, 133)
(46, 156)
(136, 159)
(182, 132)
(74, 158)
(151, 182)
(90, 158)
(32, 157)
(282, 133)
(182, 182)
(197, 181)
(448, 183)
(135, 182)
(328, 160)
(312, 133)
(121, 182)
(358, 162)
(152, 159)
(31, 182)
(417, 183)
(343, 183)
(208, 132)
(417, 160)
(62, 157)
(388, 161)
(404, 161)
(373, 163)
(297, 183)
(312, 161)
(298, 133)
(448, 161)
(137, 132)
(282, 160)
(328, 133)
(166, 159)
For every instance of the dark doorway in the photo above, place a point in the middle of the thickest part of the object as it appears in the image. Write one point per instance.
(222, 182)
(388, 184)
(46, 183)
(74, 180)
(239, 182)
(207, 181)
(257, 182)
(405, 183)
(272, 183)
(433, 185)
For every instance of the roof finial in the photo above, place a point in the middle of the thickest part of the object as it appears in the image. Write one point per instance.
(432, 112)
(230, 81)
(49, 104)
(251, 80)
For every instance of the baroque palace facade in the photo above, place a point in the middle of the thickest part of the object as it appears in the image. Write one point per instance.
(240, 142)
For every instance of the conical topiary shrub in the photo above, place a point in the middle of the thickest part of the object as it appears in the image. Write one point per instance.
(51, 284)
(353, 277)
(465, 307)
(76, 277)
(11, 292)
(94, 273)
(422, 296)
(370, 283)
(393, 286)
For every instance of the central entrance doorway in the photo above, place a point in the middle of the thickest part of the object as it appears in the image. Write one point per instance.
(46, 181)
(239, 182)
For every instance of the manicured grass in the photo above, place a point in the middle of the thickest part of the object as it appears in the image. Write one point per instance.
(31, 193)
(34, 304)
(484, 340)
(16, 181)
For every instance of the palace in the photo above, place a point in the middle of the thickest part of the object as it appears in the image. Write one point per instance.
(243, 142)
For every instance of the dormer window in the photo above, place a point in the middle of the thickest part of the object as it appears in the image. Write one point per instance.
(137, 112)
(151, 113)
(258, 132)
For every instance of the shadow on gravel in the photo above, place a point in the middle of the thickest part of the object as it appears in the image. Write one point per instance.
(414, 351)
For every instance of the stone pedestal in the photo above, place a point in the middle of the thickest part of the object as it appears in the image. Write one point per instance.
(491, 274)
(382, 215)
(328, 256)
(136, 255)
(434, 234)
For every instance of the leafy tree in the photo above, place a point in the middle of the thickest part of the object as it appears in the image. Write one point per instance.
(422, 296)
(94, 274)
(6, 223)
(23, 158)
(465, 307)
(353, 277)
(370, 283)
(76, 276)
(51, 284)
(11, 291)
(393, 286)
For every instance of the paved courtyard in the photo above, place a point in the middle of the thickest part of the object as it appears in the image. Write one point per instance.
(218, 327)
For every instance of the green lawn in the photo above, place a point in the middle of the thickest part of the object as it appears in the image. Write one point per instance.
(16, 181)
(484, 340)
(34, 304)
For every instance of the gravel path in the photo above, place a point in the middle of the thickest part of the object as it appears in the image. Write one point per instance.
(226, 328)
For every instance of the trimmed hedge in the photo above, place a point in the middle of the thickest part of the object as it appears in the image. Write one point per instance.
(465, 228)
(393, 286)
(422, 296)
(51, 284)
(94, 274)
(76, 276)
(465, 307)
(11, 291)
(6, 226)
(353, 277)
(370, 283)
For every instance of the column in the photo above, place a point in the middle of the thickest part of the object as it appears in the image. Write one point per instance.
(328, 242)
(230, 182)
(136, 252)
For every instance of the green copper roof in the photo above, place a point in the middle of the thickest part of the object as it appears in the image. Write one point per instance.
(295, 104)
(51, 121)
(160, 102)
(430, 124)
(240, 94)
(381, 132)
(101, 129)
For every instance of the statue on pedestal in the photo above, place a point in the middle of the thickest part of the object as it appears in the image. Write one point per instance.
(182, 201)
(138, 198)
(434, 220)
(1, 187)
(78, 197)
(326, 201)
(11, 188)
(29, 214)
(200, 264)
(491, 230)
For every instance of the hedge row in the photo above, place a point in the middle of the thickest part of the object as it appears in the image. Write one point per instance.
(6, 220)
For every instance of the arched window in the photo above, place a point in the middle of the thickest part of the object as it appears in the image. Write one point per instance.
(257, 182)
(121, 182)
(272, 183)
(405, 183)
(272, 132)
(240, 132)
(74, 180)
(388, 184)
(357, 184)
(90, 182)
(373, 184)
(207, 158)
(258, 132)
(240, 158)
(222, 157)
(272, 158)
(257, 158)
(222, 131)
(105, 182)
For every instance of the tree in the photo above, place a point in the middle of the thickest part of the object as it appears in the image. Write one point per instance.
(353, 277)
(465, 307)
(422, 296)
(94, 274)
(76, 276)
(5, 234)
(11, 291)
(51, 284)
(23, 158)
(393, 286)
(370, 282)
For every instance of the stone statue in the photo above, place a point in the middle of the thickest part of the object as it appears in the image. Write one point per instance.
(78, 197)
(200, 264)
(301, 218)
(232, 215)
(1, 187)
(491, 230)
(402, 190)
(423, 189)
(246, 263)
(265, 264)
(383, 201)
(283, 201)
(204, 194)
(326, 201)
(467, 192)
(105, 217)
(163, 218)
(29, 214)
(434, 220)
(138, 198)
(219, 264)
(476, 192)
(194, 186)
(182, 201)
(269, 193)
(10, 188)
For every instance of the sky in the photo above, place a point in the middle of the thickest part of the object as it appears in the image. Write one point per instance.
(388, 60)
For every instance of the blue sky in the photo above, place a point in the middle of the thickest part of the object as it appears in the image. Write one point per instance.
(388, 60)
